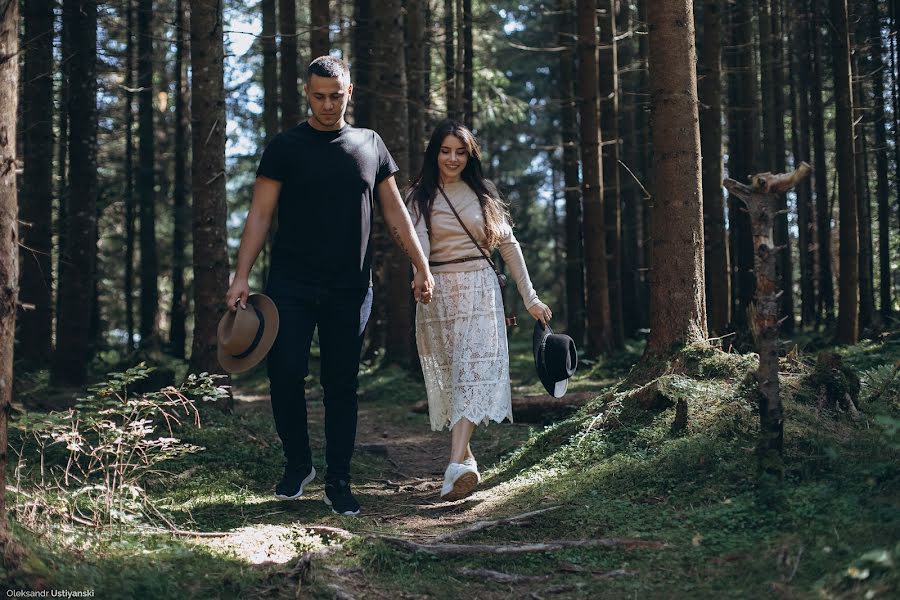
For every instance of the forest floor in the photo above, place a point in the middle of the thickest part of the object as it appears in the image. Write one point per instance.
(640, 510)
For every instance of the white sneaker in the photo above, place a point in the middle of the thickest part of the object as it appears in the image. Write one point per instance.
(470, 462)
(459, 481)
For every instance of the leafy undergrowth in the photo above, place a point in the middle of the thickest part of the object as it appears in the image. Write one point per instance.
(614, 469)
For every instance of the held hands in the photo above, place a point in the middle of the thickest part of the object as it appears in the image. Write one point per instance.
(423, 286)
(541, 312)
(239, 291)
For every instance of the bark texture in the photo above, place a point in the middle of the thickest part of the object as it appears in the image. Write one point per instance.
(718, 288)
(320, 18)
(149, 270)
(9, 229)
(879, 120)
(848, 298)
(290, 93)
(677, 302)
(35, 322)
(181, 210)
(594, 230)
(76, 286)
(210, 259)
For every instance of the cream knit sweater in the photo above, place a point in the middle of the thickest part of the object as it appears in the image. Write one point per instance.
(447, 240)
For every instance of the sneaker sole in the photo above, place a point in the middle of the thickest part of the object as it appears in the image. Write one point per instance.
(462, 487)
(346, 513)
(303, 484)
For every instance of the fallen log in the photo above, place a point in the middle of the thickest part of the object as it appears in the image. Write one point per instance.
(450, 549)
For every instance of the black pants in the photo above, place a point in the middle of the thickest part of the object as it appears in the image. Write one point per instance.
(336, 312)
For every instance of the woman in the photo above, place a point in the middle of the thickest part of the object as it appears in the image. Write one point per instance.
(461, 330)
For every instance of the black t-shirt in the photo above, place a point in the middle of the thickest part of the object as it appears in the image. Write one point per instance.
(328, 181)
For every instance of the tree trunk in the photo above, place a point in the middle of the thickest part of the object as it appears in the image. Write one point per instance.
(631, 193)
(801, 75)
(416, 64)
(181, 210)
(129, 175)
(270, 68)
(468, 103)
(598, 310)
(320, 21)
(62, 157)
(743, 156)
(761, 200)
(879, 119)
(825, 303)
(35, 323)
(677, 306)
(290, 95)
(76, 287)
(450, 80)
(609, 133)
(362, 69)
(149, 323)
(860, 65)
(208, 182)
(848, 299)
(718, 289)
(9, 236)
(569, 130)
(392, 120)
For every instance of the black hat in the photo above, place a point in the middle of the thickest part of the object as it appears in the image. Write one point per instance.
(555, 358)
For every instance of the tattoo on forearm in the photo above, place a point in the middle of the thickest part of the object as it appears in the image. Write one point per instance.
(399, 241)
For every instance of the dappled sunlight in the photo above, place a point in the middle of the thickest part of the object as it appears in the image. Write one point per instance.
(265, 544)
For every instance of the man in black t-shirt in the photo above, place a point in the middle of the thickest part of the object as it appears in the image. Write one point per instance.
(324, 176)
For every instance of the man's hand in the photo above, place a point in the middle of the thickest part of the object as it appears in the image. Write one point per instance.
(423, 286)
(239, 291)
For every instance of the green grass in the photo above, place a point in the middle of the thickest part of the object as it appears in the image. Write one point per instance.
(828, 530)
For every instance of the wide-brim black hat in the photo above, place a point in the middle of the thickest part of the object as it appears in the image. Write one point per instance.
(245, 336)
(555, 358)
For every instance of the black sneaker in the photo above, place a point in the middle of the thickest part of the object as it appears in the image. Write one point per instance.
(339, 497)
(293, 481)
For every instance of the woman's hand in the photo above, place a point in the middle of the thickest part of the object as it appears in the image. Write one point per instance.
(541, 312)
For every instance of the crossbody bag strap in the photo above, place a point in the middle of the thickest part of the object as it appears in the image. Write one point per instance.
(510, 318)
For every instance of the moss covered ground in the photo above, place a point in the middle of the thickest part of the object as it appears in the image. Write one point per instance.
(690, 516)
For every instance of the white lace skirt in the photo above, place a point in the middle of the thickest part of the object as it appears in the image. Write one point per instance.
(461, 336)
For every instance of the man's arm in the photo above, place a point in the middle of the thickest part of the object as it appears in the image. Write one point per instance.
(401, 228)
(256, 228)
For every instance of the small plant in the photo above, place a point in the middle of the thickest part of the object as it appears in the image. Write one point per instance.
(93, 458)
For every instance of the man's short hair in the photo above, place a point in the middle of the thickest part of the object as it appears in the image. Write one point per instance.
(329, 66)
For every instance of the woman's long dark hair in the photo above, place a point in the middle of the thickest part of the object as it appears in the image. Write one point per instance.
(425, 187)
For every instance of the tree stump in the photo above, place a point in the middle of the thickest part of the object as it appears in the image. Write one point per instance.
(761, 200)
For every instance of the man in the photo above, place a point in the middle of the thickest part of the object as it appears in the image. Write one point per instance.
(323, 175)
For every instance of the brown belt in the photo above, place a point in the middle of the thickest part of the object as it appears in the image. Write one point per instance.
(434, 263)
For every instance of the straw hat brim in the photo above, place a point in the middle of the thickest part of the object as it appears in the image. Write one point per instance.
(270, 313)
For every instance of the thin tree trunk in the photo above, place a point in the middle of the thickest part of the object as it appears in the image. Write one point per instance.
(881, 160)
(895, 51)
(320, 20)
(574, 252)
(460, 61)
(129, 175)
(468, 103)
(209, 210)
(631, 194)
(677, 305)
(62, 157)
(848, 299)
(597, 279)
(860, 66)
(362, 70)
(743, 158)
(416, 60)
(9, 236)
(825, 304)
(270, 68)
(392, 120)
(609, 116)
(801, 75)
(149, 322)
(181, 210)
(450, 59)
(36, 214)
(76, 287)
(290, 94)
(718, 289)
